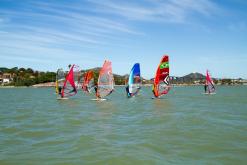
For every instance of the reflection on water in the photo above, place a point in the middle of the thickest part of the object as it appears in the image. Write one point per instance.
(184, 127)
(72, 102)
(162, 103)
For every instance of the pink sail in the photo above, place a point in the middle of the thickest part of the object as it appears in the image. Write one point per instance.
(69, 86)
(210, 88)
(105, 80)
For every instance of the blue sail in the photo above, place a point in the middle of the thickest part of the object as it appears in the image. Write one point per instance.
(134, 83)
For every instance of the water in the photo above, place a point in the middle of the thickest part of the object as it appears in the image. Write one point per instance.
(186, 127)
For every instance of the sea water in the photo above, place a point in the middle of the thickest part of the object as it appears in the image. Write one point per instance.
(184, 127)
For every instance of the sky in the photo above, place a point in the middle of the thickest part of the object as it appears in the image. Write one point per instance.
(196, 34)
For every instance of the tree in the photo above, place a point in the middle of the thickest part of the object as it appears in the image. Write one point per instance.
(29, 70)
(69, 66)
(13, 70)
(226, 81)
(22, 70)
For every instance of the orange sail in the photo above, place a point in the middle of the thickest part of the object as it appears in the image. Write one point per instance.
(88, 82)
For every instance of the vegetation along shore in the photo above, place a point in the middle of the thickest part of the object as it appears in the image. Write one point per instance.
(17, 77)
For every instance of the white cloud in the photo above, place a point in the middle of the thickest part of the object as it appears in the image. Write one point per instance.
(156, 10)
(46, 23)
(41, 27)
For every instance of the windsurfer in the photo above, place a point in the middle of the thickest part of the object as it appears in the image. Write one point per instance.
(153, 90)
(95, 88)
(59, 90)
(127, 91)
(96, 91)
(205, 87)
(86, 88)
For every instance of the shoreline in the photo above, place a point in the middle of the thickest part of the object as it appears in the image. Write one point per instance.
(13, 87)
(144, 85)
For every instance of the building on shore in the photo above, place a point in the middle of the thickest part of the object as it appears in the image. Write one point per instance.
(6, 78)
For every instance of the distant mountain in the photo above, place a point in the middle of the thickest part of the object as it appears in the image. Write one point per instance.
(188, 79)
(119, 80)
(96, 69)
(2, 69)
(194, 76)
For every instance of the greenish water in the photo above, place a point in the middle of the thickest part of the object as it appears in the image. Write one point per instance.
(186, 127)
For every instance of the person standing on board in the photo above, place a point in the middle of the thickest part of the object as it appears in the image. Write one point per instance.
(127, 91)
(153, 90)
(60, 91)
(96, 91)
(205, 88)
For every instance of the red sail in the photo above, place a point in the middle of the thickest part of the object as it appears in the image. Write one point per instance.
(69, 87)
(161, 80)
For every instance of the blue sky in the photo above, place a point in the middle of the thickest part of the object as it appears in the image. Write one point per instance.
(196, 34)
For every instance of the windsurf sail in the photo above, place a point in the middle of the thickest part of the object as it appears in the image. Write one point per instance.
(105, 80)
(71, 82)
(209, 84)
(161, 85)
(88, 82)
(134, 82)
(60, 78)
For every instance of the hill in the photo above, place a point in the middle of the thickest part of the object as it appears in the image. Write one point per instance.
(194, 76)
(119, 80)
(188, 79)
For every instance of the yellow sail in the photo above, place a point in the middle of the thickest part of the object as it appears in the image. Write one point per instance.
(57, 87)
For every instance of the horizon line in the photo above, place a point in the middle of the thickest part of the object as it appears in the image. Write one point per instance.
(125, 73)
